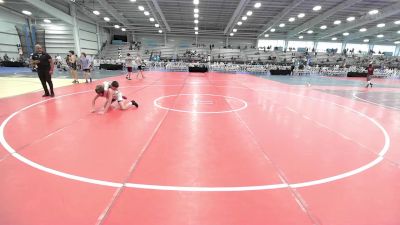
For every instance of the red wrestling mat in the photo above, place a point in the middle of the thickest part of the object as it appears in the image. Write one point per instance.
(212, 149)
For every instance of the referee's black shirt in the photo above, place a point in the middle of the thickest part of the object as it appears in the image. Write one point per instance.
(43, 58)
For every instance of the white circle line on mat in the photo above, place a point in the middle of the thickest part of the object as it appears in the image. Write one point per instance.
(365, 167)
(374, 103)
(156, 103)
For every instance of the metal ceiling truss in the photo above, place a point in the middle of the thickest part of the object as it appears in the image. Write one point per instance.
(236, 15)
(363, 20)
(311, 23)
(272, 23)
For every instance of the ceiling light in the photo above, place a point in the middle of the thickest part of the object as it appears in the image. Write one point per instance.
(366, 40)
(196, 32)
(26, 12)
(234, 30)
(196, 21)
(95, 12)
(397, 22)
(157, 25)
(301, 37)
(123, 29)
(231, 34)
(351, 18)
(292, 19)
(244, 18)
(116, 26)
(317, 8)
(310, 32)
(196, 10)
(133, 0)
(373, 12)
(273, 30)
(47, 21)
(363, 29)
(257, 5)
(239, 23)
(249, 13)
(196, 2)
(337, 22)
(282, 25)
(301, 15)
(397, 42)
(380, 35)
(146, 13)
(196, 28)
(1, 1)
(380, 25)
(160, 31)
(141, 8)
(106, 19)
(196, 15)
(398, 32)
(323, 27)
(346, 34)
(267, 35)
(151, 19)
(334, 38)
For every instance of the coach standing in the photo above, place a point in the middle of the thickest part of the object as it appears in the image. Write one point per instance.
(45, 68)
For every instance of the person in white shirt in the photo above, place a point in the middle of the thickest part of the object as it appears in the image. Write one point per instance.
(85, 66)
(109, 90)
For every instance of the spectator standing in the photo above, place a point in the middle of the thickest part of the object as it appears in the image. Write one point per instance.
(369, 75)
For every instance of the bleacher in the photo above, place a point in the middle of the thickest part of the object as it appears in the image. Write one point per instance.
(113, 51)
(255, 60)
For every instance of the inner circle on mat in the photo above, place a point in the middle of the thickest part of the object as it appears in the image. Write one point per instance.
(200, 103)
(340, 176)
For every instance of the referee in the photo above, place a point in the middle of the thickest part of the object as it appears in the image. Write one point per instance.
(45, 68)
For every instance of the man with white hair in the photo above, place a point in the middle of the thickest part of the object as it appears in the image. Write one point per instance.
(45, 68)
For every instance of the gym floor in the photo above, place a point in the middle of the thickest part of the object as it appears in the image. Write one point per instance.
(211, 148)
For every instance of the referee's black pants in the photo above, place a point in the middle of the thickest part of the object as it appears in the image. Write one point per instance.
(44, 77)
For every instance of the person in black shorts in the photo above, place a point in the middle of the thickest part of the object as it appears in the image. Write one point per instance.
(139, 63)
(72, 66)
(128, 65)
(45, 68)
(85, 67)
